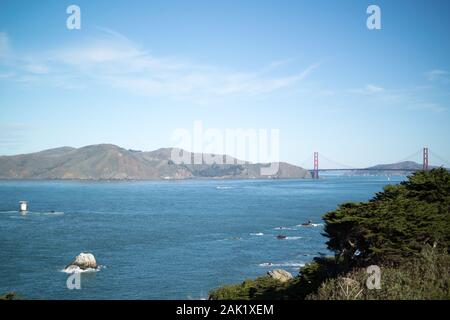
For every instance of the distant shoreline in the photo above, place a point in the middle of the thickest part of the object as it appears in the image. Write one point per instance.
(155, 180)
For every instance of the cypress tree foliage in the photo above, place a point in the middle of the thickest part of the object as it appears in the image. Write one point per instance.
(396, 224)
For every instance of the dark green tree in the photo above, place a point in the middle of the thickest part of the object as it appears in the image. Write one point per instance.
(396, 224)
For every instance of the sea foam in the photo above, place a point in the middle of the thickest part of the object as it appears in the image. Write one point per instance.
(76, 269)
(282, 264)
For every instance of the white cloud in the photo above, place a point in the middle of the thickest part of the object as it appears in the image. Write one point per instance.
(111, 59)
(370, 88)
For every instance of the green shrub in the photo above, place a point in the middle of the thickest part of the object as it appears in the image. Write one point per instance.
(261, 288)
(424, 278)
(9, 296)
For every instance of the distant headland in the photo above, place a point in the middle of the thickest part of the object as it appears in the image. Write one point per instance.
(111, 162)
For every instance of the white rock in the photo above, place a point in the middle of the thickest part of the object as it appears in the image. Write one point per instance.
(84, 261)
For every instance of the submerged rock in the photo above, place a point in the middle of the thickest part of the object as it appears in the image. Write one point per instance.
(307, 224)
(83, 261)
(280, 275)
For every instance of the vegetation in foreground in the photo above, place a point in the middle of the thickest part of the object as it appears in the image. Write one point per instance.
(405, 229)
(9, 296)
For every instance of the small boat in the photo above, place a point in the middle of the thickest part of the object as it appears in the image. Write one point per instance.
(281, 236)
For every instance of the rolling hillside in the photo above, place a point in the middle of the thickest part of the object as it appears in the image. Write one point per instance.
(110, 162)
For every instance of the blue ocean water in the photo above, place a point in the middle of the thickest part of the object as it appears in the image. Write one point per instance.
(166, 239)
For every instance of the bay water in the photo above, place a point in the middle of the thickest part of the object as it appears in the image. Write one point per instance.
(164, 239)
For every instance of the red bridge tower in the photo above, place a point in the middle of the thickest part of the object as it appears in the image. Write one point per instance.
(425, 159)
(316, 166)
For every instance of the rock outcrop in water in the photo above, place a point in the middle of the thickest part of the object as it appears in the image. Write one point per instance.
(83, 261)
(280, 275)
(110, 162)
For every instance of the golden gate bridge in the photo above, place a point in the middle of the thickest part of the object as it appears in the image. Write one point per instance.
(426, 152)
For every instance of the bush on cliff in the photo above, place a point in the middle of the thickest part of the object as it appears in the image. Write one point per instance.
(396, 224)
(425, 277)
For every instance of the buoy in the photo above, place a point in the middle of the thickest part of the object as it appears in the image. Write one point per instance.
(23, 206)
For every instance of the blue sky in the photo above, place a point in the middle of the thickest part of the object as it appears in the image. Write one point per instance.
(138, 70)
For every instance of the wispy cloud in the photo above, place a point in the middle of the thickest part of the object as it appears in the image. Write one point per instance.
(431, 106)
(436, 74)
(13, 135)
(371, 88)
(413, 98)
(112, 59)
(36, 68)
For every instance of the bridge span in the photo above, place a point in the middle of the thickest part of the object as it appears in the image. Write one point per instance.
(425, 166)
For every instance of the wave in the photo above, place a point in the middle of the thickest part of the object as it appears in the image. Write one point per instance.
(284, 228)
(311, 225)
(49, 213)
(293, 238)
(282, 264)
(45, 213)
(224, 187)
(230, 239)
(257, 234)
(76, 269)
